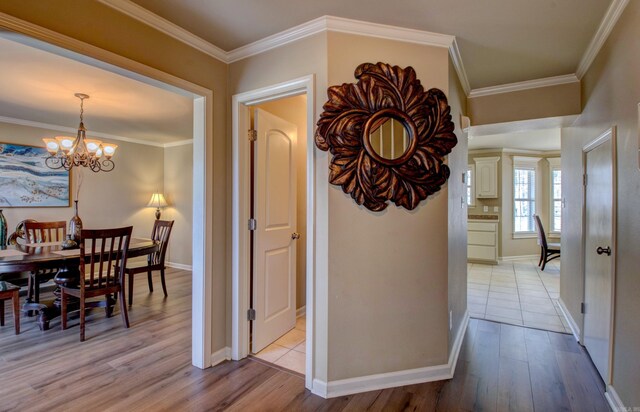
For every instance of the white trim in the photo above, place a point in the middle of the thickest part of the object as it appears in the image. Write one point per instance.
(615, 403)
(521, 257)
(240, 214)
(606, 26)
(301, 311)
(456, 60)
(526, 161)
(178, 143)
(180, 266)
(163, 25)
(73, 131)
(220, 356)
(526, 85)
(555, 163)
(472, 186)
(350, 386)
(573, 325)
(202, 159)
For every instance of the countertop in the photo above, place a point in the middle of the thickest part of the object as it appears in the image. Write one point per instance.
(483, 217)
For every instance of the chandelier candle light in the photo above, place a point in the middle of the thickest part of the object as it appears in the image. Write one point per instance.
(67, 152)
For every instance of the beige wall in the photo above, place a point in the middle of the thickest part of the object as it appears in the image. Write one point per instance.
(388, 271)
(611, 90)
(457, 210)
(178, 190)
(102, 26)
(294, 110)
(120, 197)
(539, 103)
(117, 198)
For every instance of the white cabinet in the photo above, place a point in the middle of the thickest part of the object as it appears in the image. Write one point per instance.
(486, 177)
(482, 241)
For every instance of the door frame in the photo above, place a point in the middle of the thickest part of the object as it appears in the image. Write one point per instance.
(202, 234)
(609, 134)
(241, 213)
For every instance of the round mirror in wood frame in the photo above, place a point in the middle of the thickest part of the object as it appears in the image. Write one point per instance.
(354, 111)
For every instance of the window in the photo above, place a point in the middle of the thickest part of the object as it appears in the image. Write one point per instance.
(556, 195)
(524, 194)
(470, 185)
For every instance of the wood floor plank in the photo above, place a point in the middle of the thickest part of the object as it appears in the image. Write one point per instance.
(148, 368)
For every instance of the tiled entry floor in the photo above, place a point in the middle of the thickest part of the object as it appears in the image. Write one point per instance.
(517, 292)
(289, 350)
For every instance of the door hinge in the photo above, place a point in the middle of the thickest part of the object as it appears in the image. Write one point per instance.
(584, 179)
(252, 224)
(253, 135)
(251, 314)
(582, 307)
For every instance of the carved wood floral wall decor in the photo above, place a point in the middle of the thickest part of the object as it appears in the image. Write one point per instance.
(363, 123)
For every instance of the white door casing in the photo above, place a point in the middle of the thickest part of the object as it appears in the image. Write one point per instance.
(599, 248)
(274, 277)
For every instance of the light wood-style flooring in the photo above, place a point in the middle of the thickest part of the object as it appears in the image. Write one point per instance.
(148, 368)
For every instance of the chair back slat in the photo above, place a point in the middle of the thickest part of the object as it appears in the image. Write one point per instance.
(108, 248)
(542, 237)
(40, 232)
(160, 233)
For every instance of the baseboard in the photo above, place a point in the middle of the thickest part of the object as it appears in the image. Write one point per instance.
(510, 258)
(301, 311)
(368, 383)
(178, 266)
(615, 403)
(572, 323)
(221, 356)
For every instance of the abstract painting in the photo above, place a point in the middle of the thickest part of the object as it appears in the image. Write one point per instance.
(25, 181)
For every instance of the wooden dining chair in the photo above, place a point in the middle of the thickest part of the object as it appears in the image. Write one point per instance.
(103, 257)
(10, 291)
(548, 251)
(155, 261)
(42, 232)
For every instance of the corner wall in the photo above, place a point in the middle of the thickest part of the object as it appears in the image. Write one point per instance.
(611, 90)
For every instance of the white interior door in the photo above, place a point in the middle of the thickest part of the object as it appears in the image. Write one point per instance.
(274, 269)
(599, 209)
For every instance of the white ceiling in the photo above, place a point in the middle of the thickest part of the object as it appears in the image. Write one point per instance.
(539, 140)
(501, 41)
(38, 85)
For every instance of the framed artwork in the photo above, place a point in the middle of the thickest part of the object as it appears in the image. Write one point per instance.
(25, 181)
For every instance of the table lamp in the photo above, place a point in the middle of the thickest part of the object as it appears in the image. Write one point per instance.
(157, 201)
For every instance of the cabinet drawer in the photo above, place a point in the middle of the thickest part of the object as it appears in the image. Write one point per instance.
(482, 226)
(481, 238)
(481, 252)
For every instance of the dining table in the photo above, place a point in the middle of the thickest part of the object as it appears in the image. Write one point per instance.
(33, 257)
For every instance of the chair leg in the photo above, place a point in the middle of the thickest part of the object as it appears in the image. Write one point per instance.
(544, 262)
(123, 309)
(82, 318)
(1, 312)
(36, 289)
(541, 255)
(63, 309)
(108, 305)
(30, 287)
(16, 311)
(150, 280)
(131, 276)
(164, 285)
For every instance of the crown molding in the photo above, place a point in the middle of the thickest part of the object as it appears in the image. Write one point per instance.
(526, 85)
(73, 132)
(456, 60)
(606, 26)
(165, 26)
(178, 143)
(341, 25)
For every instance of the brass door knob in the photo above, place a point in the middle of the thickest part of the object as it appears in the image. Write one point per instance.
(295, 236)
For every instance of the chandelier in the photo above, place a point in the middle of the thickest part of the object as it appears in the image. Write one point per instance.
(67, 152)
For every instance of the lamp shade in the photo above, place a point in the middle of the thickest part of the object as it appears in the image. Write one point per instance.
(157, 201)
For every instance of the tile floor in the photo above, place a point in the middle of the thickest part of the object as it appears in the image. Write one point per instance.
(289, 350)
(518, 293)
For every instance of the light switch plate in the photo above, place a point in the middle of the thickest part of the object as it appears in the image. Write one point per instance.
(496, 209)
(485, 208)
